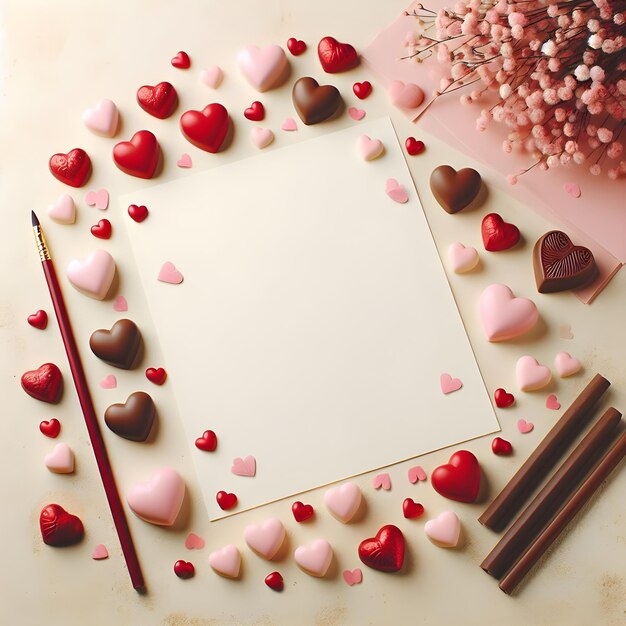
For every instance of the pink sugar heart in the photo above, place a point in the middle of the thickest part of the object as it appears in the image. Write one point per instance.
(405, 95)
(566, 365)
(530, 374)
(343, 501)
(369, 149)
(263, 67)
(315, 558)
(416, 473)
(63, 211)
(503, 315)
(356, 114)
(462, 258)
(261, 137)
(169, 274)
(265, 538)
(226, 561)
(120, 304)
(353, 576)
(396, 191)
(524, 427)
(212, 76)
(158, 500)
(449, 384)
(94, 275)
(102, 119)
(289, 125)
(244, 467)
(99, 199)
(184, 161)
(60, 460)
(444, 530)
(100, 552)
(552, 402)
(572, 189)
(194, 542)
(108, 382)
(382, 481)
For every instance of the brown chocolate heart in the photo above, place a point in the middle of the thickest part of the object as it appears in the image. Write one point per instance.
(560, 265)
(454, 190)
(118, 346)
(314, 102)
(133, 419)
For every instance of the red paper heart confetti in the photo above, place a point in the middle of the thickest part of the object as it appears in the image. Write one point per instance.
(255, 112)
(184, 569)
(497, 234)
(44, 383)
(362, 90)
(413, 146)
(503, 398)
(226, 501)
(72, 168)
(296, 46)
(181, 61)
(335, 56)
(156, 376)
(385, 551)
(302, 512)
(501, 447)
(412, 509)
(206, 129)
(102, 230)
(139, 156)
(459, 479)
(208, 441)
(275, 581)
(138, 212)
(50, 428)
(38, 320)
(58, 527)
(159, 101)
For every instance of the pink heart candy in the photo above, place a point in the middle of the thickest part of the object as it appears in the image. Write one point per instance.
(572, 189)
(108, 382)
(169, 274)
(444, 530)
(405, 95)
(63, 211)
(396, 191)
(263, 67)
(462, 258)
(566, 365)
(99, 199)
(244, 467)
(530, 374)
(184, 161)
(265, 538)
(315, 558)
(524, 427)
(100, 552)
(226, 561)
(343, 501)
(382, 481)
(60, 460)
(261, 137)
(416, 473)
(212, 76)
(356, 114)
(369, 149)
(158, 500)
(120, 304)
(102, 119)
(503, 315)
(353, 576)
(449, 384)
(552, 402)
(194, 542)
(289, 125)
(94, 275)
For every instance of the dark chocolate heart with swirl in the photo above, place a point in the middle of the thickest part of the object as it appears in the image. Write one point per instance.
(454, 190)
(118, 346)
(560, 265)
(314, 102)
(132, 420)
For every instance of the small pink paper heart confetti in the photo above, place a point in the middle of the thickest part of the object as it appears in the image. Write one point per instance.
(552, 402)
(289, 125)
(99, 199)
(565, 332)
(120, 305)
(194, 542)
(100, 552)
(108, 382)
(396, 191)
(169, 274)
(524, 427)
(449, 384)
(356, 114)
(184, 161)
(353, 576)
(572, 189)
(382, 481)
(212, 76)
(416, 473)
(244, 467)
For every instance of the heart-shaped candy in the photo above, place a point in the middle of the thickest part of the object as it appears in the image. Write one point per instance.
(261, 137)
(244, 467)
(444, 530)
(552, 403)
(72, 168)
(362, 90)
(449, 384)
(353, 577)
(226, 561)
(158, 501)
(194, 542)
(108, 382)
(38, 320)
(524, 427)
(454, 190)
(208, 441)
(566, 365)
(412, 509)
(169, 274)
(296, 46)
(405, 95)
(60, 460)
(459, 479)
(264, 68)
(206, 129)
(302, 512)
(181, 61)
(58, 527)
(497, 234)
(265, 538)
(119, 346)
(314, 558)
(138, 212)
(414, 146)
(396, 191)
(356, 114)
(102, 230)
(289, 125)
(503, 315)
(313, 102)
(501, 447)
(138, 157)
(50, 428)
(133, 419)
(462, 259)
(503, 398)
(530, 374)
(255, 112)
(369, 149)
(274, 580)
(343, 501)
(226, 501)
(63, 211)
(94, 275)
(45, 383)
(156, 376)
(335, 56)
(102, 119)
(385, 551)
(184, 569)
(159, 101)
(212, 76)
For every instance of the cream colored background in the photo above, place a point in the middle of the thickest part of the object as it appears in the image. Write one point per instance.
(58, 59)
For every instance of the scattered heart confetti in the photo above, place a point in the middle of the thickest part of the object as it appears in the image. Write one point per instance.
(524, 427)
(208, 441)
(414, 146)
(356, 114)
(226, 501)
(552, 402)
(100, 552)
(38, 320)
(108, 382)
(565, 332)
(102, 230)
(159, 101)
(244, 467)
(572, 189)
(412, 509)
(497, 234)
(396, 191)
(566, 364)
(138, 212)
(181, 61)
(382, 481)
(501, 447)
(362, 90)
(99, 199)
(265, 538)
(353, 576)
(302, 512)
(296, 46)
(289, 125)
(156, 376)
(120, 304)
(449, 384)
(194, 542)
(212, 76)
(63, 211)
(416, 473)
(184, 569)
(503, 398)
(261, 137)
(184, 161)
(255, 112)
(274, 580)
(169, 274)
(336, 56)
(50, 428)
(60, 460)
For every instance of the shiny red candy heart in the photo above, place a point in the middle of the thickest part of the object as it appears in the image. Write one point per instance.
(160, 100)
(72, 168)
(208, 441)
(503, 398)
(275, 581)
(138, 213)
(181, 61)
(255, 112)
(498, 234)
(184, 569)
(385, 551)
(413, 146)
(302, 512)
(362, 90)
(459, 479)
(206, 129)
(156, 376)
(38, 320)
(50, 428)
(58, 527)
(45, 383)
(296, 46)
(412, 509)
(501, 447)
(139, 156)
(226, 501)
(335, 56)
(102, 230)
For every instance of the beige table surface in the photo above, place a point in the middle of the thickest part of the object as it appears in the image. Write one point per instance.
(57, 59)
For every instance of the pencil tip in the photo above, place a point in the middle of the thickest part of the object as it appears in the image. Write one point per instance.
(33, 219)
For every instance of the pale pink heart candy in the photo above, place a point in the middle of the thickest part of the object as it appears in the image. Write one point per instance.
(405, 95)
(572, 189)
(315, 558)
(102, 119)
(382, 481)
(169, 274)
(60, 460)
(158, 500)
(289, 125)
(530, 374)
(94, 275)
(184, 161)
(462, 258)
(369, 149)
(524, 427)
(263, 67)
(449, 384)
(99, 199)
(120, 304)
(503, 315)
(552, 402)
(396, 191)
(566, 365)
(194, 542)
(356, 114)
(353, 577)
(265, 538)
(261, 137)
(108, 382)
(343, 501)
(100, 552)
(244, 467)
(63, 211)
(226, 561)
(416, 473)
(444, 530)
(212, 76)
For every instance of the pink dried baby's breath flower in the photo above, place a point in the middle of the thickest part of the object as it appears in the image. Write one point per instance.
(605, 135)
(597, 73)
(507, 146)
(595, 108)
(505, 91)
(571, 147)
(543, 166)
(564, 21)
(517, 32)
(615, 150)
(565, 158)
(554, 64)
(537, 116)
(622, 167)
(444, 83)
(593, 26)
(612, 174)
(550, 97)
(470, 25)
(589, 57)
(593, 142)
(511, 179)
(582, 73)
(553, 10)
(465, 99)
(595, 169)
(453, 29)
(549, 48)
(579, 157)
(619, 19)
(595, 42)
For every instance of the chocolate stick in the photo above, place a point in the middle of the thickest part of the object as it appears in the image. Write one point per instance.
(546, 503)
(501, 511)
(565, 515)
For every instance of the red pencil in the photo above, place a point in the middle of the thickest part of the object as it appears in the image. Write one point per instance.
(86, 403)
